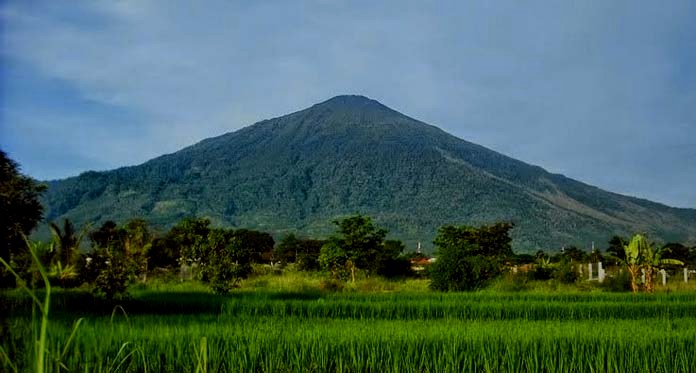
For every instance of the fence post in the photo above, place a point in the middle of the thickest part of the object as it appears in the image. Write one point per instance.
(686, 275)
(589, 270)
(600, 272)
(664, 277)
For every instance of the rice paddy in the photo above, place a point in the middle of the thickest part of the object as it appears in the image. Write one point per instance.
(271, 331)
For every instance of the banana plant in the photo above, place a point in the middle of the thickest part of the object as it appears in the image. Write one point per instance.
(62, 274)
(653, 258)
(634, 258)
(641, 255)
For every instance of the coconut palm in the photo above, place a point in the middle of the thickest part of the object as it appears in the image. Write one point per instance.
(67, 240)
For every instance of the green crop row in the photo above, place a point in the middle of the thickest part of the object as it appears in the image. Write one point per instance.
(280, 332)
(275, 344)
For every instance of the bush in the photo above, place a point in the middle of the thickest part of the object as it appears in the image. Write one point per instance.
(395, 268)
(225, 261)
(541, 273)
(565, 273)
(113, 280)
(468, 257)
(619, 282)
(467, 273)
(512, 282)
(331, 285)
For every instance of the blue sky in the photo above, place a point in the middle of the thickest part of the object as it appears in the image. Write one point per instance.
(603, 92)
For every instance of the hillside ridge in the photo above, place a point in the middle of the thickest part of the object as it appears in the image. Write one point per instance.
(348, 154)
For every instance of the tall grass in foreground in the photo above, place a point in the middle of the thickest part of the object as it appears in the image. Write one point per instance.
(175, 343)
(258, 330)
(45, 356)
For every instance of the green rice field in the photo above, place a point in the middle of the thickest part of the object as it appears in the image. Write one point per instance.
(252, 331)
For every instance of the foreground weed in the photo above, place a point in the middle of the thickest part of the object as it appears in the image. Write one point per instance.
(202, 356)
(40, 351)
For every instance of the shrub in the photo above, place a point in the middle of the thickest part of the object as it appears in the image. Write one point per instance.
(331, 285)
(225, 261)
(114, 278)
(565, 273)
(541, 273)
(468, 273)
(619, 282)
(469, 257)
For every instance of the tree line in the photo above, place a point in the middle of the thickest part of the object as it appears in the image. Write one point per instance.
(467, 257)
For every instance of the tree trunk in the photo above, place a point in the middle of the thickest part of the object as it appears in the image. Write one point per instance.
(649, 286)
(633, 270)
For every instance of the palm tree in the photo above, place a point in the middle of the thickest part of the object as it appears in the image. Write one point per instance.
(68, 241)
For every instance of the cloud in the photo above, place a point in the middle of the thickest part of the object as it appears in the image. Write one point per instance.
(600, 91)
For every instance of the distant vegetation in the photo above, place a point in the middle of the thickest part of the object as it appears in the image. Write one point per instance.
(127, 297)
(300, 172)
(466, 257)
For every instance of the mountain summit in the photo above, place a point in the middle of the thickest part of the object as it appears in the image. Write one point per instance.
(298, 172)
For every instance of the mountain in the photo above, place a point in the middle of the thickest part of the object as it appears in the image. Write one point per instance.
(352, 154)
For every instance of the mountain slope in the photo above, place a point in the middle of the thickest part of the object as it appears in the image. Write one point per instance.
(352, 154)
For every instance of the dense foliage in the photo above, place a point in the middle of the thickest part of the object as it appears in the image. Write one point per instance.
(358, 245)
(20, 212)
(469, 257)
(225, 260)
(20, 208)
(302, 251)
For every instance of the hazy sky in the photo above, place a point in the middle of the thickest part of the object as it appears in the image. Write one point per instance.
(601, 91)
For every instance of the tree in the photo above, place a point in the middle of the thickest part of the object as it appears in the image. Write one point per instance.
(391, 262)
(616, 249)
(191, 235)
(678, 251)
(137, 241)
(108, 237)
(119, 255)
(182, 242)
(287, 249)
(258, 244)
(225, 261)
(20, 206)
(68, 241)
(136, 237)
(494, 240)
(308, 257)
(468, 257)
(302, 251)
(115, 272)
(616, 246)
(573, 254)
(355, 246)
(164, 253)
(333, 258)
